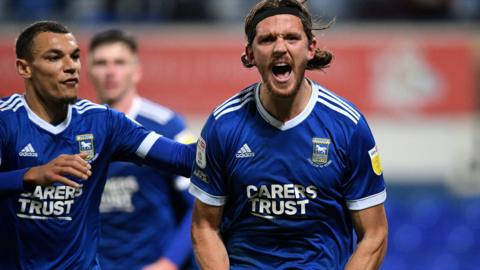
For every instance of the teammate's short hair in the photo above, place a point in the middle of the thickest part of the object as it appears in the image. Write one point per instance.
(24, 42)
(298, 8)
(114, 36)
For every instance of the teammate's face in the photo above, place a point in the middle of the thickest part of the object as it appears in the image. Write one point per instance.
(280, 51)
(55, 67)
(113, 71)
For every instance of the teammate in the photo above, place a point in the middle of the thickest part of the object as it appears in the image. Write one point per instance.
(55, 151)
(286, 170)
(145, 223)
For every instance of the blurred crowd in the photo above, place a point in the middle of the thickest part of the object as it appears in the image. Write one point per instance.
(87, 11)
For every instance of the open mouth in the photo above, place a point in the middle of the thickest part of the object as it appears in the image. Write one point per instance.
(282, 72)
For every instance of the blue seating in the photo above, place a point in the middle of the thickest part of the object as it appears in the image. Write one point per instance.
(432, 228)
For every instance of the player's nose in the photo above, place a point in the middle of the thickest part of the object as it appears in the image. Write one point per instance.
(71, 65)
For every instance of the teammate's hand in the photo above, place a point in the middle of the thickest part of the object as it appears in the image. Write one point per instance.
(161, 264)
(57, 169)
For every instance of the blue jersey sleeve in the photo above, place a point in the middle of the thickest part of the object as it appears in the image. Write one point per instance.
(11, 181)
(208, 178)
(132, 142)
(127, 136)
(364, 186)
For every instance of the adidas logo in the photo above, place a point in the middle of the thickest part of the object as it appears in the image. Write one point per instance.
(245, 152)
(28, 151)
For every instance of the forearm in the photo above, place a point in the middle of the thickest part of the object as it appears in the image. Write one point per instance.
(210, 251)
(369, 253)
(12, 181)
(171, 156)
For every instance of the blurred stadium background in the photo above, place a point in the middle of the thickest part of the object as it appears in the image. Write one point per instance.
(411, 66)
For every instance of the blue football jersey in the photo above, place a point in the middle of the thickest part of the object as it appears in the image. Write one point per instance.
(57, 227)
(287, 188)
(142, 208)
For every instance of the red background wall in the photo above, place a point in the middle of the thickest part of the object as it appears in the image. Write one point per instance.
(385, 73)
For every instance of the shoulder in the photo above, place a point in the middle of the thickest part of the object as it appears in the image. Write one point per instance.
(84, 106)
(9, 109)
(155, 112)
(11, 104)
(234, 107)
(159, 118)
(226, 121)
(341, 117)
(336, 107)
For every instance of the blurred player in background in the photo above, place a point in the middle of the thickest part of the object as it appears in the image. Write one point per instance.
(145, 223)
(54, 154)
(286, 170)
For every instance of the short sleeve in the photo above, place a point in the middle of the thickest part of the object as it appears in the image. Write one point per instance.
(128, 137)
(208, 178)
(364, 185)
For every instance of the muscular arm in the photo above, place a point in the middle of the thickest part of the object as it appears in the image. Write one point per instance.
(372, 229)
(209, 249)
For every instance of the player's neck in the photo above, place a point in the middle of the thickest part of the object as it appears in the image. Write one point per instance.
(50, 111)
(125, 103)
(286, 108)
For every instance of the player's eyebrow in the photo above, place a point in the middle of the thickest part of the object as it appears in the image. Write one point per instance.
(53, 51)
(58, 51)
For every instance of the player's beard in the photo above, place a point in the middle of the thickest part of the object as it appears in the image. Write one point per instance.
(69, 97)
(284, 94)
(298, 78)
(68, 100)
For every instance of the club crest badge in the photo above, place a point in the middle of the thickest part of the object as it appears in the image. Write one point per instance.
(375, 158)
(320, 150)
(85, 145)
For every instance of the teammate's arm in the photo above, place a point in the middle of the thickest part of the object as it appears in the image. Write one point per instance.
(132, 142)
(168, 155)
(371, 229)
(209, 248)
(54, 171)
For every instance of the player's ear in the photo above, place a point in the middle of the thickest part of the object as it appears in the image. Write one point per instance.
(247, 57)
(312, 47)
(138, 73)
(23, 68)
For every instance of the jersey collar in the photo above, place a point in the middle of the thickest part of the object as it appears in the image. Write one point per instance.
(135, 107)
(294, 121)
(44, 124)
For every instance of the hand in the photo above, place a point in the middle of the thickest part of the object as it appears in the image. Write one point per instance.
(161, 264)
(57, 169)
